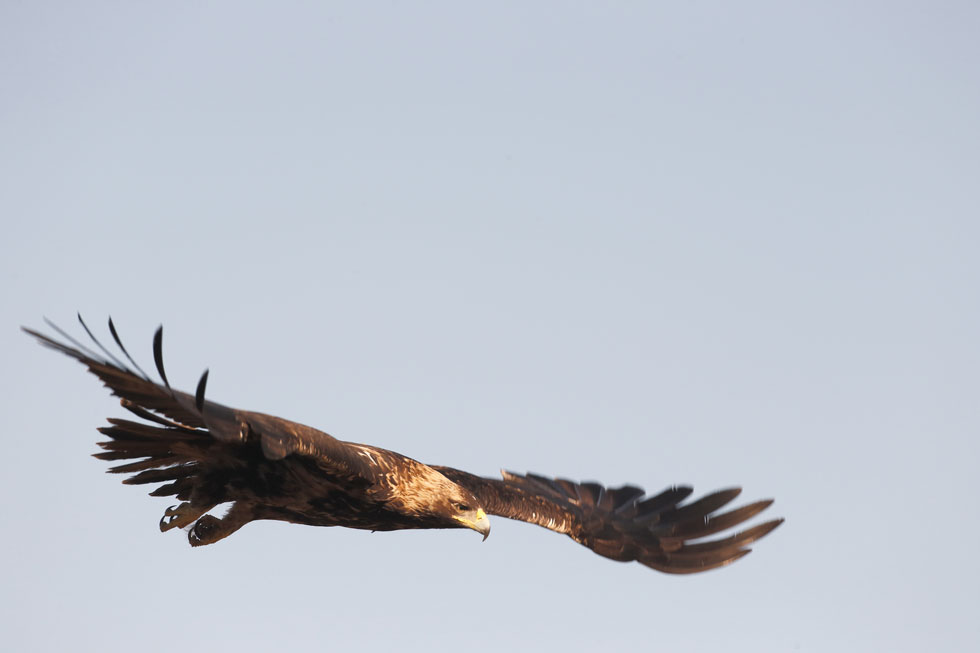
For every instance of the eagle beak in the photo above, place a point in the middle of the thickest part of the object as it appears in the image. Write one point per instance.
(480, 523)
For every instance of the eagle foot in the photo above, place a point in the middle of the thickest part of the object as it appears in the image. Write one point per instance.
(205, 531)
(181, 516)
(209, 529)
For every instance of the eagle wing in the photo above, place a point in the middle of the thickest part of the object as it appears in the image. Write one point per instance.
(622, 523)
(194, 415)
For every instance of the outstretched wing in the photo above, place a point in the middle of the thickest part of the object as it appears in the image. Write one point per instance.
(194, 414)
(621, 523)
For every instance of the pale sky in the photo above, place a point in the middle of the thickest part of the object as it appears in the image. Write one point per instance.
(711, 243)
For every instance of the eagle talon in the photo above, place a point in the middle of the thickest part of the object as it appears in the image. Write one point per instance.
(203, 530)
(209, 529)
(181, 515)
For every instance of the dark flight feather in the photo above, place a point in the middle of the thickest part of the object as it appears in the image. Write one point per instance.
(158, 355)
(206, 454)
(105, 351)
(115, 336)
(199, 394)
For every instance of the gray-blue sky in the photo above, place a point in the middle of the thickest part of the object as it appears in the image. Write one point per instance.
(698, 243)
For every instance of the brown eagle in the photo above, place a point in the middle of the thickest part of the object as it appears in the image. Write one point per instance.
(206, 454)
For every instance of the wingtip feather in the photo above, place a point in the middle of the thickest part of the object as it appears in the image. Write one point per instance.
(158, 355)
(199, 394)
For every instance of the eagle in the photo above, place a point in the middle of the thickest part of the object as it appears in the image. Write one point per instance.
(207, 455)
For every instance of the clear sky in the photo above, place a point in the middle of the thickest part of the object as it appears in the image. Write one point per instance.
(713, 243)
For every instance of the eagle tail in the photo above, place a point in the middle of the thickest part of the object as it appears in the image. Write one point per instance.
(163, 453)
(182, 459)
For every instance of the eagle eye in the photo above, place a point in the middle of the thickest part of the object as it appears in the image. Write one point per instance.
(462, 507)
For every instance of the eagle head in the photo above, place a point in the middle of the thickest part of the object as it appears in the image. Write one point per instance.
(428, 494)
(467, 511)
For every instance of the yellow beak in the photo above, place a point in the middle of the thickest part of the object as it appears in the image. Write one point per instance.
(479, 522)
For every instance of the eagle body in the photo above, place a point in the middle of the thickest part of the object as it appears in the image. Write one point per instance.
(206, 454)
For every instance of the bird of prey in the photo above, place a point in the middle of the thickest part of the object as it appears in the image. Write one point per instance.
(206, 454)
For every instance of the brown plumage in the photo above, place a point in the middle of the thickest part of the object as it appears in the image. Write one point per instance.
(206, 454)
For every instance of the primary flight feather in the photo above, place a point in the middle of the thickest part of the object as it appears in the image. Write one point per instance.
(206, 454)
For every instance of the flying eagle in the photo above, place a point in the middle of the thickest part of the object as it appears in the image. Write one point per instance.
(207, 454)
